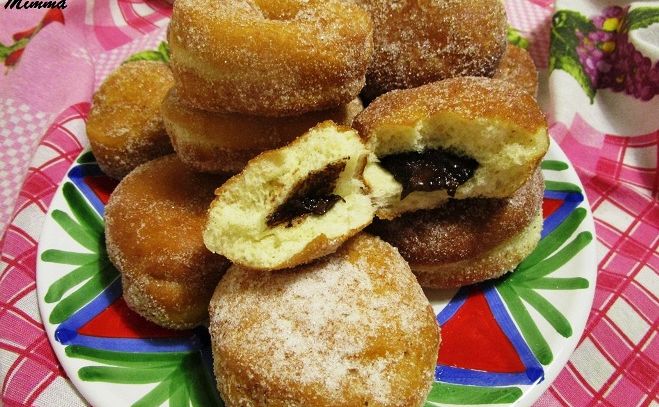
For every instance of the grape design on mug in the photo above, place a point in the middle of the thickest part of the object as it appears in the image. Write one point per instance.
(598, 53)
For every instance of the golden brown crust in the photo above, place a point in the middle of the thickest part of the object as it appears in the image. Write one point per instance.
(312, 337)
(124, 127)
(269, 58)
(491, 264)
(224, 142)
(517, 67)
(154, 221)
(418, 42)
(471, 98)
(461, 228)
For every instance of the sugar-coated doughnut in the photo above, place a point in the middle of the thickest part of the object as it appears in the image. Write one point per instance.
(518, 67)
(463, 137)
(224, 142)
(418, 42)
(295, 204)
(153, 225)
(468, 241)
(269, 58)
(352, 329)
(124, 127)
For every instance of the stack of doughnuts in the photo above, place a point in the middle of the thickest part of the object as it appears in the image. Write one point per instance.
(456, 176)
(253, 75)
(295, 204)
(256, 224)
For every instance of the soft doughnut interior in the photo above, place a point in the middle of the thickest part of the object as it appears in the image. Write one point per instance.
(238, 218)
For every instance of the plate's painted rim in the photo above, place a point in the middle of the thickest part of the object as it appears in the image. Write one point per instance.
(563, 356)
(58, 348)
(531, 393)
(69, 367)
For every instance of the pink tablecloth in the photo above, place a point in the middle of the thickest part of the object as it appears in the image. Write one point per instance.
(52, 79)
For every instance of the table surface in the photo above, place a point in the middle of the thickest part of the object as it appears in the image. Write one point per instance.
(50, 75)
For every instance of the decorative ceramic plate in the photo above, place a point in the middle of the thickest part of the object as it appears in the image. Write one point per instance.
(503, 342)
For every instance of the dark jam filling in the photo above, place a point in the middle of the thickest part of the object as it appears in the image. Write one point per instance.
(311, 196)
(429, 170)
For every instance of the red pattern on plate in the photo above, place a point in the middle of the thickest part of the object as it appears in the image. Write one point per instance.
(102, 186)
(119, 321)
(472, 339)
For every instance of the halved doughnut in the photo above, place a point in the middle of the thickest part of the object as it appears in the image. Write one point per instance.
(295, 204)
(470, 240)
(462, 138)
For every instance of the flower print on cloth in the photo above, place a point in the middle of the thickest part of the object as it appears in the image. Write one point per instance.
(613, 57)
(10, 54)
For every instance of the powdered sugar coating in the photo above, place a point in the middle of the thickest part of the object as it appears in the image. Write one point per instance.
(270, 58)
(351, 329)
(417, 42)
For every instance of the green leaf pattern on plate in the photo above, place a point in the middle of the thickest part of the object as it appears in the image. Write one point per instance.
(515, 37)
(92, 268)
(178, 375)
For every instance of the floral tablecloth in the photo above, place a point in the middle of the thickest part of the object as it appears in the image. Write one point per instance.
(599, 85)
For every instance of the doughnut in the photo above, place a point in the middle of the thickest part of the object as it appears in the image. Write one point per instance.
(295, 204)
(153, 225)
(353, 329)
(518, 67)
(418, 42)
(224, 142)
(462, 137)
(470, 240)
(269, 58)
(124, 126)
